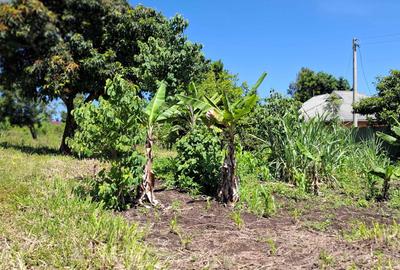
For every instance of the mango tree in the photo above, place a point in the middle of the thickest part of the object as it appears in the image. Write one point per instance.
(225, 116)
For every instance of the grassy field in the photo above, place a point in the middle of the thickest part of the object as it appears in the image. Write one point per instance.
(44, 225)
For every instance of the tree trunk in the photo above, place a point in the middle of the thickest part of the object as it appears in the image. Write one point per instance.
(33, 131)
(70, 126)
(229, 189)
(147, 186)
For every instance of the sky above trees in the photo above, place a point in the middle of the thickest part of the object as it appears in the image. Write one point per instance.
(280, 37)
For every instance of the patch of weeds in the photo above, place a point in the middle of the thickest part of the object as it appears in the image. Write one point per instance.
(363, 203)
(175, 228)
(208, 204)
(395, 199)
(237, 219)
(387, 234)
(176, 206)
(326, 260)
(296, 213)
(271, 244)
(173, 225)
(257, 197)
(288, 191)
(321, 226)
(353, 266)
(382, 262)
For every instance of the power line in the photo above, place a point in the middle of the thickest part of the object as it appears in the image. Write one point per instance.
(382, 42)
(363, 71)
(381, 36)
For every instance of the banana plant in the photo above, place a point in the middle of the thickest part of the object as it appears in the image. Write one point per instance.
(387, 173)
(155, 112)
(187, 113)
(225, 115)
(388, 138)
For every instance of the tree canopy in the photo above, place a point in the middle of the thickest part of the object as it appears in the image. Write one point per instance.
(17, 110)
(386, 105)
(310, 83)
(59, 49)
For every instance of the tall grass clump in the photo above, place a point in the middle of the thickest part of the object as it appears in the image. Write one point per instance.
(308, 153)
(254, 192)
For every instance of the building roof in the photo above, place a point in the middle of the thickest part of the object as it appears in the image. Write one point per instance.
(317, 106)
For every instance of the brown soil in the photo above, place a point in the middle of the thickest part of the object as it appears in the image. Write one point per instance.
(205, 236)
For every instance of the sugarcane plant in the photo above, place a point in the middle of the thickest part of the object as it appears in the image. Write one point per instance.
(224, 115)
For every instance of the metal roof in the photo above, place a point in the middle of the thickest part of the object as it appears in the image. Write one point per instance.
(317, 106)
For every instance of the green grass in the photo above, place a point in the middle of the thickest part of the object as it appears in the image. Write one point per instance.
(387, 234)
(44, 225)
(48, 141)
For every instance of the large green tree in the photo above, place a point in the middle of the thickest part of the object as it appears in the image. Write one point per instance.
(310, 83)
(386, 105)
(17, 110)
(60, 49)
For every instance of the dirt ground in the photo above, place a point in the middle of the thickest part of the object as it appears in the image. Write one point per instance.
(203, 234)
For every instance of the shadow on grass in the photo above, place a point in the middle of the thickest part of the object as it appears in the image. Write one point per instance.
(39, 150)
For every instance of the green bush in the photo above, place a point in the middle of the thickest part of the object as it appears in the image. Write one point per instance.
(117, 188)
(110, 130)
(254, 163)
(198, 161)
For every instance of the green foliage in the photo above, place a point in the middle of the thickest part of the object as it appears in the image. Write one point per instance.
(256, 196)
(38, 205)
(198, 161)
(309, 151)
(111, 129)
(387, 175)
(117, 188)
(310, 83)
(253, 170)
(18, 110)
(60, 50)
(385, 106)
(237, 219)
(254, 163)
(265, 121)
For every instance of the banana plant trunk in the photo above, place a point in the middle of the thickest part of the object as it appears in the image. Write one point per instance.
(229, 189)
(147, 187)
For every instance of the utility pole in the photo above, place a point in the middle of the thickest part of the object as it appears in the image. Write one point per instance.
(355, 45)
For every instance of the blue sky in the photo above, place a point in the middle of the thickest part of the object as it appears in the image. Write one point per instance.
(281, 36)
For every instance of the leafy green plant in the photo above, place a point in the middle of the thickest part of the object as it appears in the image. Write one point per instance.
(225, 117)
(256, 196)
(309, 152)
(387, 174)
(198, 160)
(110, 130)
(156, 112)
(237, 219)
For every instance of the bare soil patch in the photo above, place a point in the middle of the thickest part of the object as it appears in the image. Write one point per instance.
(202, 234)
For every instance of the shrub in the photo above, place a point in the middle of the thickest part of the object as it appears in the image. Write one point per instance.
(117, 188)
(198, 161)
(110, 130)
